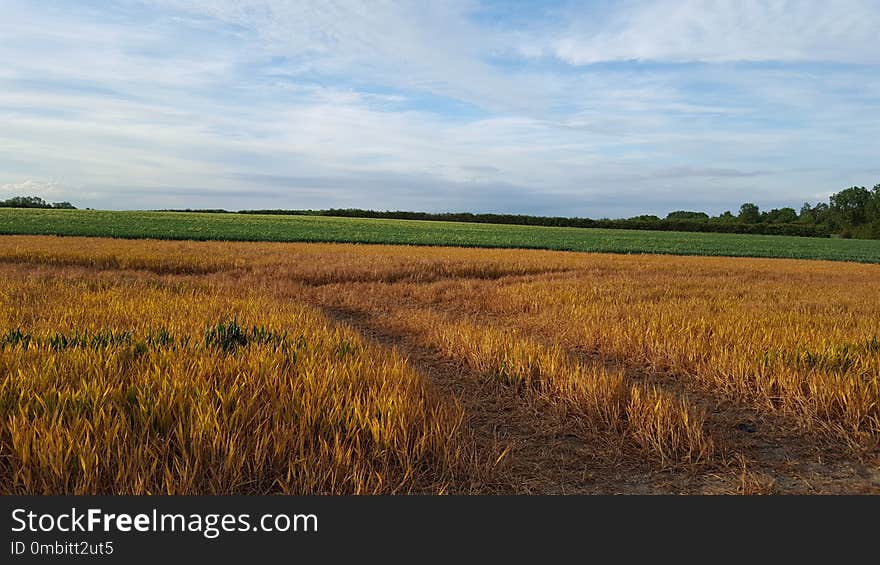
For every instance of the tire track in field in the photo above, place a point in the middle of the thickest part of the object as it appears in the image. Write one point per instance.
(756, 453)
(523, 447)
(762, 453)
(767, 452)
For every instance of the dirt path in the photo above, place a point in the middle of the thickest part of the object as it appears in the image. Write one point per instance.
(526, 448)
(759, 453)
(532, 448)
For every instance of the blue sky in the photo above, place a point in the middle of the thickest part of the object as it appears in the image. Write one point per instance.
(592, 109)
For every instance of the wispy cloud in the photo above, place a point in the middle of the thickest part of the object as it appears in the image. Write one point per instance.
(595, 108)
(723, 31)
(49, 190)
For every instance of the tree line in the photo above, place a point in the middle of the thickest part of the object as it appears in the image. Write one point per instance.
(34, 202)
(852, 212)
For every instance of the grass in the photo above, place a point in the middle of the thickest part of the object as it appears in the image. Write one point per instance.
(793, 340)
(94, 399)
(234, 227)
(599, 398)
(182, 367)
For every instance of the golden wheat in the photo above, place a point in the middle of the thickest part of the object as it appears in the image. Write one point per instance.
(119, 388)
(184, 367)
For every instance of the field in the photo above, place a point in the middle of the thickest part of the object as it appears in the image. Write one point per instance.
(235, 227)
(183, 367)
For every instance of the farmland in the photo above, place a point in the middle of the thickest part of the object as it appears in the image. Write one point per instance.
(150, 367)
(234, 227)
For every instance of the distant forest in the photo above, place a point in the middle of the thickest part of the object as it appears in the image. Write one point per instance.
(34, 202)
(851, 213)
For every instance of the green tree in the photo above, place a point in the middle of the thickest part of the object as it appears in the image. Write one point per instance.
(850, 206)
(750, 213)
(874, 204)
(822, 213)
(25, 202)
(806, 215)
(781, 216)
(33, 202)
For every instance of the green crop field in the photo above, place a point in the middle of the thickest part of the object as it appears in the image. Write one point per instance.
(240, 227)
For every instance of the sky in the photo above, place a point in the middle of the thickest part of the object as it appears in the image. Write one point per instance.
(596, 108)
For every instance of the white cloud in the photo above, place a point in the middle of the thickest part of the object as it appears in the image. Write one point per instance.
(315, 104)
(45, 189)
(723, 31)
(427, 46)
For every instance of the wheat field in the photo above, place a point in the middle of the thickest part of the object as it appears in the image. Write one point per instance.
(154, 367)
